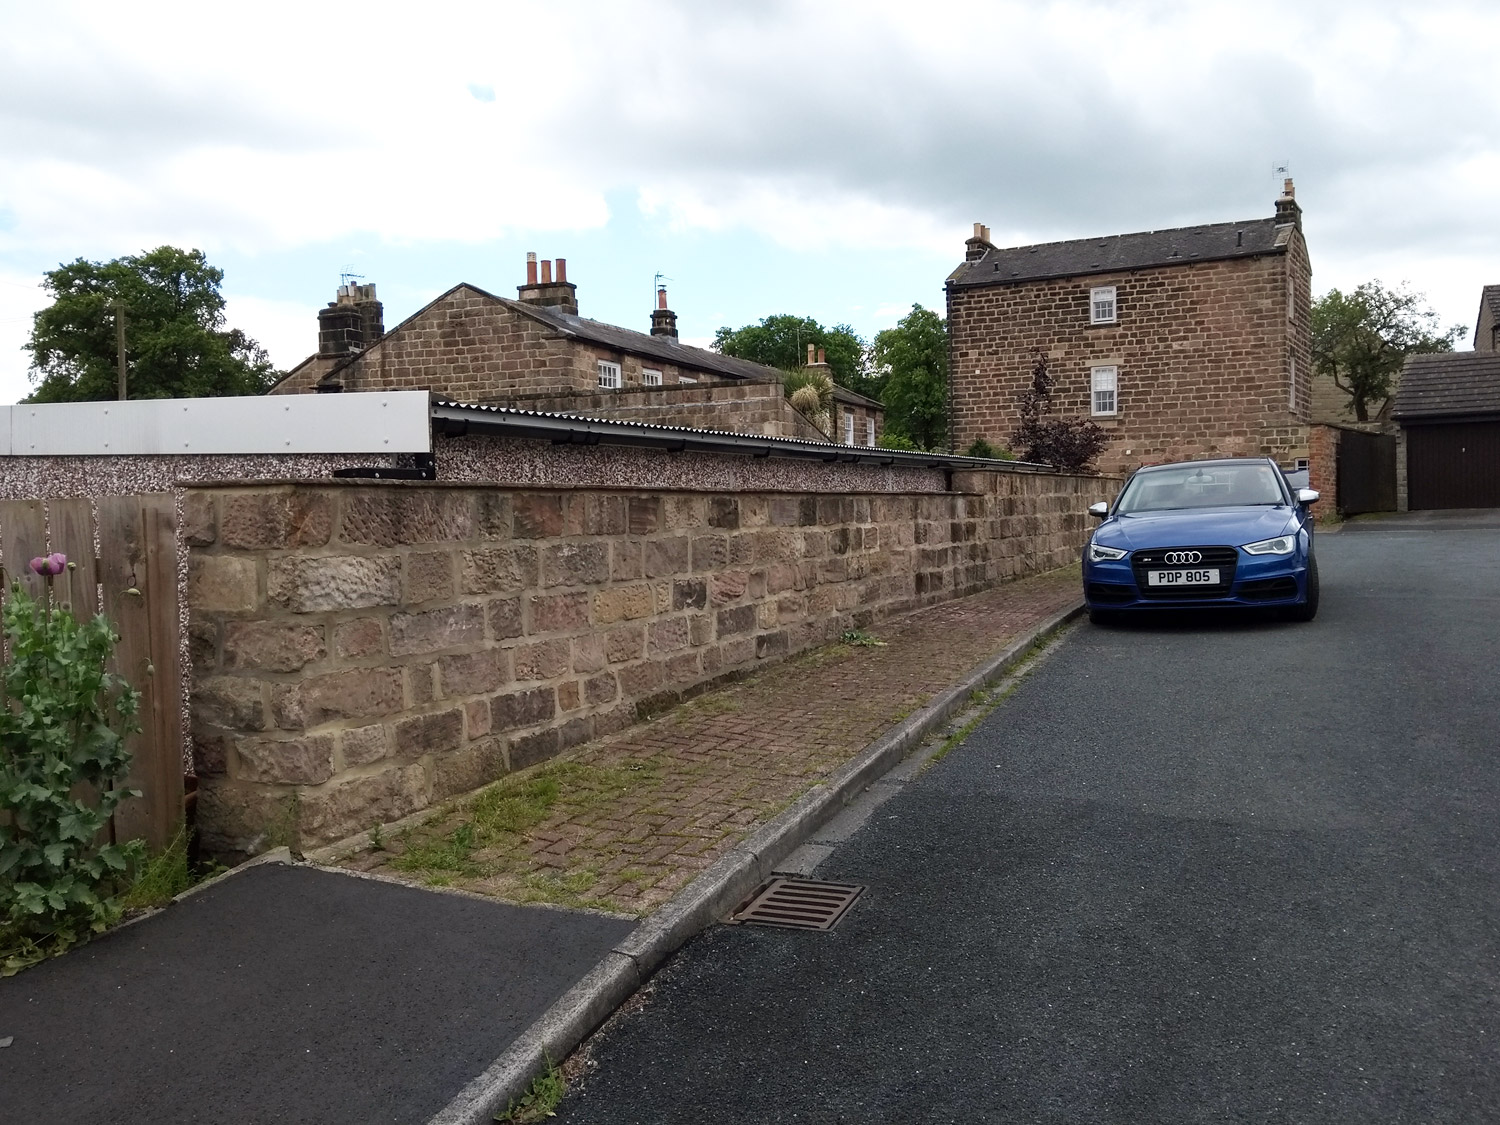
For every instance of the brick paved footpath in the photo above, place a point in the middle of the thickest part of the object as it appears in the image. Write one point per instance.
(624, 823)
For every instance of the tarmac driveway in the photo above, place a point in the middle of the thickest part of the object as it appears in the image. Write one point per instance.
(1197, 869)
(286, 994)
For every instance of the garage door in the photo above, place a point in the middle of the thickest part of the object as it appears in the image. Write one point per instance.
(1453, 466)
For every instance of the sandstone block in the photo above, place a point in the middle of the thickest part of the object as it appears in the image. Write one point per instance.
(359, 746)
(644, 515)
(200, 520)
(522, 708)
(689, 593)
(272, 520)
(241, 819)
(545, 660)
(600, 689)
(724, 511)
(467, 769)
(429, 576)
(568, 695)
(341, 809)
(624, 644)
(530, 749)
(639, 680)
(306, 585)
(667, 636)
(500, 570)
(429, 734)
(504, 615)
(473, 673)
(622, 603)
(667, 556)
(537, 516)
(229, 702)
(387, 517)
(575, 564)
(588, 653)
(434, 630)
(271, 646)
(554, 613)
(222, 584)
(740, 619)
(294, 761)
(364, 636)
(359, 693)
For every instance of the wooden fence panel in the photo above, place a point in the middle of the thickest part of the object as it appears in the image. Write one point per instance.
(23, 536)
(131, 530)
(72, 527)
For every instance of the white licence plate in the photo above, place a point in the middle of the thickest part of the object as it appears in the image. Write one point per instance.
(1205, 577)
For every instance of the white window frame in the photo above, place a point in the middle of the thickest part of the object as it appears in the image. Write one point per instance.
(1099, 297)
(1104, 380)
(1292, 387)
(686, 379)
(848, 427)
(870, 432)
(650, 377)
(609, 375)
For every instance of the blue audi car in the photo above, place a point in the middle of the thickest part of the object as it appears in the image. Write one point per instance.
(1203, 534)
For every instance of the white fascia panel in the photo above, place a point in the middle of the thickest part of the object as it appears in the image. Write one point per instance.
(393, 422)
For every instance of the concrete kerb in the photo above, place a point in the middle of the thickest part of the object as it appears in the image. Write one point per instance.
(724, 885)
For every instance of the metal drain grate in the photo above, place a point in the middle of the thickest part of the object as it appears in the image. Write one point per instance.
(798, 904)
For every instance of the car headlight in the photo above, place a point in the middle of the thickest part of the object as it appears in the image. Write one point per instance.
(1281, 545)
(1104, 554)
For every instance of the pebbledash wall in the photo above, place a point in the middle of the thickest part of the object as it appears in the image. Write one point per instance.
(364, 650)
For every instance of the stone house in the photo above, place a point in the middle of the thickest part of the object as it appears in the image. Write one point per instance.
(1179, 343)
(536, 352)
(1487, 328)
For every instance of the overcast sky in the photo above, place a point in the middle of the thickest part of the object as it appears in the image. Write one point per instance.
(820, 158)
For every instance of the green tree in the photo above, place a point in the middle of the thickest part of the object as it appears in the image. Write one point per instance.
(781, 342)
(1361, 339)
(175, 340)
(911, 364)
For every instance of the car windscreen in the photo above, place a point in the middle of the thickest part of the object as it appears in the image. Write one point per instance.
(1201, 486)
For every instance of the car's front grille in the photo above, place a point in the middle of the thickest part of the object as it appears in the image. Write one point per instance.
(1225, 559)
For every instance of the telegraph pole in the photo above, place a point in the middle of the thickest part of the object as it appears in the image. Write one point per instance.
(120, 344)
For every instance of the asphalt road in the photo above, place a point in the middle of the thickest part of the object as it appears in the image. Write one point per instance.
(286, 994)
(1193, 870)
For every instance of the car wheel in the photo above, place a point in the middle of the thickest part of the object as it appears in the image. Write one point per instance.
(1103, 617)
(1309, 607)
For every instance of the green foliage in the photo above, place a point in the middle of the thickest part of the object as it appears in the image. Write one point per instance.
(62, 726)
(912, 362)
(165, 876)
(979, 447)
(889, 440)
(175, 340)
(781, 342)
(818, 381)
(1361, 339)
(861, 639)
(540, 1100)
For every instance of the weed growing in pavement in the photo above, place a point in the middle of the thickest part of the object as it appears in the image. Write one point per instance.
(860, 639)
(377, 839)
(166, 875)
(540, 1101)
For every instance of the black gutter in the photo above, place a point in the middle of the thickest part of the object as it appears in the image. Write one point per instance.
(456, 420)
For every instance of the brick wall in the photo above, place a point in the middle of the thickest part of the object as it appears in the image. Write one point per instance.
(362, 651)
(1323, 465)
(1204, 352)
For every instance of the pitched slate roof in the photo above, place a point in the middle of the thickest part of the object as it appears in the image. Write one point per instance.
(1118, 252)
(1449, 384)
(665, 348)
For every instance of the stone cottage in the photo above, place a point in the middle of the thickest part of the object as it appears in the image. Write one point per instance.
(1179, 343)
(536, 352)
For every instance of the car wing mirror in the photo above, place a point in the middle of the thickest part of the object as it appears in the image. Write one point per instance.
(1101, 509)
(1307, 495)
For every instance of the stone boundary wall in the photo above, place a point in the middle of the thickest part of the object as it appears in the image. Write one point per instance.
(364, 650)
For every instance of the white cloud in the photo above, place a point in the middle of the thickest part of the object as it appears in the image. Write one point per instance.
(20, 297)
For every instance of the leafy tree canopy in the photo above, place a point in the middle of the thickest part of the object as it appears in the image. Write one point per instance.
(910, 370)
(175, 340)
(781, 342)
(1361, 339)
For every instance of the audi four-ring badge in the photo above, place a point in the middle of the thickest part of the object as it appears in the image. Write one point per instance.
(1200, 534)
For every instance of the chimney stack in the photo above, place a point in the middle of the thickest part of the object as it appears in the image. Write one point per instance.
(821, 361)
(811, 351)
(663, 319)
(560, 294)
(1288, 212)
(978, 244)
(352, 322)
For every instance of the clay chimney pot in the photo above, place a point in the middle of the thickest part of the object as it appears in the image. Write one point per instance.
(546, 271)
(562, 270)
(531, 268)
